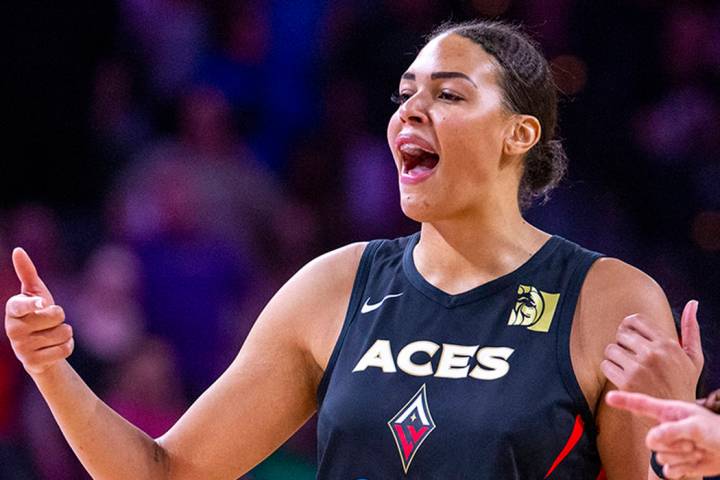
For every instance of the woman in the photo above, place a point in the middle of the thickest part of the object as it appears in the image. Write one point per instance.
(447, 354)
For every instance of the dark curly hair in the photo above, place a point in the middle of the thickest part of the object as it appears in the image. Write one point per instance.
(529, 88)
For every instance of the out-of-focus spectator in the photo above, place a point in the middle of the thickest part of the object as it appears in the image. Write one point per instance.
(107, 313)
(147, 390)
(120, 123)
(191, 275)
(236, 66)
(38, 228)
(15, 460)
(170, 36)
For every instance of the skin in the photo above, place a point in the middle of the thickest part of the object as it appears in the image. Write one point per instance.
(687, 439)
(472, 232)
(641, 356)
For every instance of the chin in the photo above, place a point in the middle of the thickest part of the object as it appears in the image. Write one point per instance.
(418, 209)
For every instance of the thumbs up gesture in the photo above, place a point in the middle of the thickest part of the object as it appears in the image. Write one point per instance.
(33, 323)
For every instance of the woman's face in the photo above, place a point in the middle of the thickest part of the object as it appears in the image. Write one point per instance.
(448, 133)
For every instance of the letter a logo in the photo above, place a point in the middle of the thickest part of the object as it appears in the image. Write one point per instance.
(411, 426)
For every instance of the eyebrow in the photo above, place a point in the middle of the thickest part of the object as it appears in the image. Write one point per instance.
(436, 75)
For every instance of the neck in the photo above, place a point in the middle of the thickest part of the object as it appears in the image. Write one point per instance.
(459, 254)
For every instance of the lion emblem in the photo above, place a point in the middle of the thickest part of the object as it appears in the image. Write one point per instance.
(533, 309)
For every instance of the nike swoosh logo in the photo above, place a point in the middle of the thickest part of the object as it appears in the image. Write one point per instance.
(369, 307)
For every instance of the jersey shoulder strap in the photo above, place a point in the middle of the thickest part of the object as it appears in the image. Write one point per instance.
(361, 278)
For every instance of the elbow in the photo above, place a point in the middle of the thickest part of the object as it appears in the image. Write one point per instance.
(160, 461)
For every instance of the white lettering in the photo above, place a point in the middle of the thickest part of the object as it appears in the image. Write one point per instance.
(455, 360)
(379, 355)
(404, 359)
(492, 363)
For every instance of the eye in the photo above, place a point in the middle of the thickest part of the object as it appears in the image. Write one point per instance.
(399, 97)
(449, 96)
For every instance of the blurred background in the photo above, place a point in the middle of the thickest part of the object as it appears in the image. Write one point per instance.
(170, 163)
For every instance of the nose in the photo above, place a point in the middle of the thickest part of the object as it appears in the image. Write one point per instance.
(414, 110)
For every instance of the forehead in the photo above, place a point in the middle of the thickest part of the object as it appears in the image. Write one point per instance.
(452, 52)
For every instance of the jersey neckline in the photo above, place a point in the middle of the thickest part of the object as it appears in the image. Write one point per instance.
(486, 289)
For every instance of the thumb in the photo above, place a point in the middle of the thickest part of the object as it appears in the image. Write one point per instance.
(690, 334)
(30, 281)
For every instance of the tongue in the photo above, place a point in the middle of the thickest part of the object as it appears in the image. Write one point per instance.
(428, 161)
(419, 170)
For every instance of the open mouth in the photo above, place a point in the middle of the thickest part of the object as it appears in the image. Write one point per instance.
(416, 159)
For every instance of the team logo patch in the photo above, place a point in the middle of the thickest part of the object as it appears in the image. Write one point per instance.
(534, 309)
(411, 426)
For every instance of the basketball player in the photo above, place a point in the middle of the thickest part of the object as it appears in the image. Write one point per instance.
(687, 440)
(471, 349)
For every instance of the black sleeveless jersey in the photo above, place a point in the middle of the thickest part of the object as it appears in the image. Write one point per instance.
(426, 385)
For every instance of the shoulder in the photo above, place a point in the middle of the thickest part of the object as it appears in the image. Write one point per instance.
(332, 271)
(327, 276)
(614, 290)
(310, 308)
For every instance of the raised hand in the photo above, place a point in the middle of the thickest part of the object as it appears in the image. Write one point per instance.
(644, 360)
(33, 323)
(687, 440)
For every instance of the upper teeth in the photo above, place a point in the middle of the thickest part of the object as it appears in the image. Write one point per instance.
(413, 149)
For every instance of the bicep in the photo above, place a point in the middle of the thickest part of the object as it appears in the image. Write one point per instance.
(621, 443)
(269, 390)
(614, 291)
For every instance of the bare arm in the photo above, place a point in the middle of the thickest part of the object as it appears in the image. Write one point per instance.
(614, 295)
(107, 445)
(266, 394)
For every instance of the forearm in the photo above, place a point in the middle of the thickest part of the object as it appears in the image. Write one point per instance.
(108, 446)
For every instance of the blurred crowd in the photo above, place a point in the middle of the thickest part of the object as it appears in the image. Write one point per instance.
(203, 150)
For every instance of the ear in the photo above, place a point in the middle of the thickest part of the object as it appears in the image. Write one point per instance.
(523, 133)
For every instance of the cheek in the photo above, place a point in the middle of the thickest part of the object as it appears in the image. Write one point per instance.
(394, 127)
(472, 143)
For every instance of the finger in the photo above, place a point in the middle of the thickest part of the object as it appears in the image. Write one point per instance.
(613, 372)
(661, 437)
(641, 325)
(640, 404)
(619, 356)
(49, 317)
(20, 305)
(50, 355)
(690, 334)
(681, 446)
(680, 470)
(20, 330)
(674, 458)
(632, 341)
(30, 281)
(51, 337)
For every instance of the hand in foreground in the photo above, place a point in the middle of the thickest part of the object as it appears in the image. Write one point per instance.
(644, 360)
(33, 323)
(687, 441)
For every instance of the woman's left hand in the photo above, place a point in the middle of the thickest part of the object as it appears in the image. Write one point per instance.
(644, 360)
